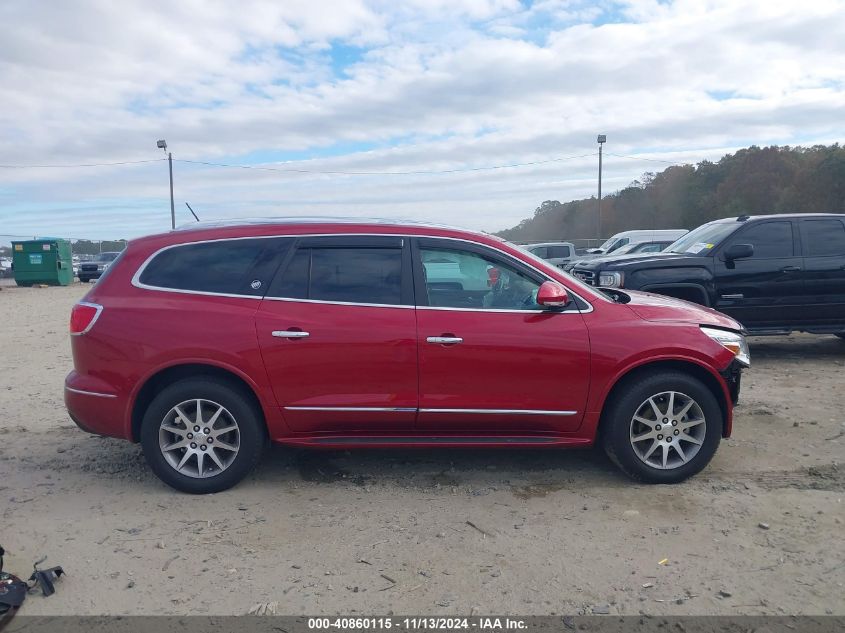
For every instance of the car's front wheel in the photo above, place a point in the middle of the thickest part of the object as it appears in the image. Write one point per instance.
(662, 427)
(202, 435)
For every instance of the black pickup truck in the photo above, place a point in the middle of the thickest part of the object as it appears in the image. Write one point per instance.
(773, 273)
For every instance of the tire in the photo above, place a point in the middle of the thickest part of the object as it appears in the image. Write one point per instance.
(697, 432)
(84, 280)
(237, 450)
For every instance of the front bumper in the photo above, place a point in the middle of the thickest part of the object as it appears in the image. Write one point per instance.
(733, 377)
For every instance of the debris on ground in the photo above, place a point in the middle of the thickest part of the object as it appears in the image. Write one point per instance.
(264, 608)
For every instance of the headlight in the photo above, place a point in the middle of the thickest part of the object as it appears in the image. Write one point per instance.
(611, 280)
(733, 341)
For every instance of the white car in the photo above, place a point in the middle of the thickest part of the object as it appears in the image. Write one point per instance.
(635, 237)
(557, 253)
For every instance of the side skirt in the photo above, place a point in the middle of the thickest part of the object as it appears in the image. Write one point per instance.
(432, 441)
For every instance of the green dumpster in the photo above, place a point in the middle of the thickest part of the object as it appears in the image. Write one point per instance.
(47, 261)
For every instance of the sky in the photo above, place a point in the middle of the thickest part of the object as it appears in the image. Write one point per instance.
(379, 108)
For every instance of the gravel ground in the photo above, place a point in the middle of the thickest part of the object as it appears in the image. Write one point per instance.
(434, 531)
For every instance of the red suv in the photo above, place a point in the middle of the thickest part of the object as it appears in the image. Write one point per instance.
(206, 343)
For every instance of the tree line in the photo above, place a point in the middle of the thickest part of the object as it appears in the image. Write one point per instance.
(751, 181)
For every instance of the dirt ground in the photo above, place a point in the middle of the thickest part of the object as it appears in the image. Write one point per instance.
(428, 532)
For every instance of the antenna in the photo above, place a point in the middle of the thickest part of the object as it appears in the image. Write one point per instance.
(192, 212)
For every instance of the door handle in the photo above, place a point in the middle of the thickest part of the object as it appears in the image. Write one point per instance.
(790, 269)
(445, 340)
(290, 334)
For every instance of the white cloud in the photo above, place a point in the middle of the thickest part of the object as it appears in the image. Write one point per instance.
(429, 85)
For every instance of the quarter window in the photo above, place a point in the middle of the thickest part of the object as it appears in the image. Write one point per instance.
(354, 275)
(770, 239)
(824, 237)
(226, 266)
(464, 279)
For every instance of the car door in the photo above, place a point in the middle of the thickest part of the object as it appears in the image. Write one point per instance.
(491, 360)
(338, 335)
(823, 241)
(764, 290)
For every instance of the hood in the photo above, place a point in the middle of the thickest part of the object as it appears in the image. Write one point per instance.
(620, 261)
(651, 307)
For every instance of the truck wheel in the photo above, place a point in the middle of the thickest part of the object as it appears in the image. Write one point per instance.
(202, 435)
(662, 427)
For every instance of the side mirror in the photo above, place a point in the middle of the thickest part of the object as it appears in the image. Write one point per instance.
(739, 251)
(552, 295)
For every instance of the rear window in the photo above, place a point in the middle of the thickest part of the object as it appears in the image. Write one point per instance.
(226, 267)
(824, 237)
(558, 251)
(353, 275)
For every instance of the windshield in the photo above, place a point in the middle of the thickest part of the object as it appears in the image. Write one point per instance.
(702, 240)
(107, 257)
(625, 249)
(606, 246)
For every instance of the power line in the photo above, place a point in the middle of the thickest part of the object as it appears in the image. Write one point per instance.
(382, 173)
(653, 160)
(339, 172)
(123, 162)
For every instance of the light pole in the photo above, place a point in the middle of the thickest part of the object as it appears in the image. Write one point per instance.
(601, 140)
(162, 144)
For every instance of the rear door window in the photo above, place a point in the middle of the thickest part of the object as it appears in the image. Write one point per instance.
(343, 272)
(823, 237)
(236, 267)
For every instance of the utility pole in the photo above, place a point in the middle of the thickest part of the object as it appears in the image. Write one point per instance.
(162, 144)
(601, 140)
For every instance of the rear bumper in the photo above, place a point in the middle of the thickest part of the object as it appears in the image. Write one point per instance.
(94, 406)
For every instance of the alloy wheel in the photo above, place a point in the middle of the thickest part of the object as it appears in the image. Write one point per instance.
(199, 438)
(667, 430)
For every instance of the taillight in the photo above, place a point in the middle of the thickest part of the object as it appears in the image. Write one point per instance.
(83, 316)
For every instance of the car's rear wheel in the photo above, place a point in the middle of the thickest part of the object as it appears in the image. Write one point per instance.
(202, 435)
(662, 427)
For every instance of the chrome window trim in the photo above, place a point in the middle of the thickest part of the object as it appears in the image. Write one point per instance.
(99, 310)
(91, 393)
(340, 303)
(137, 276)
